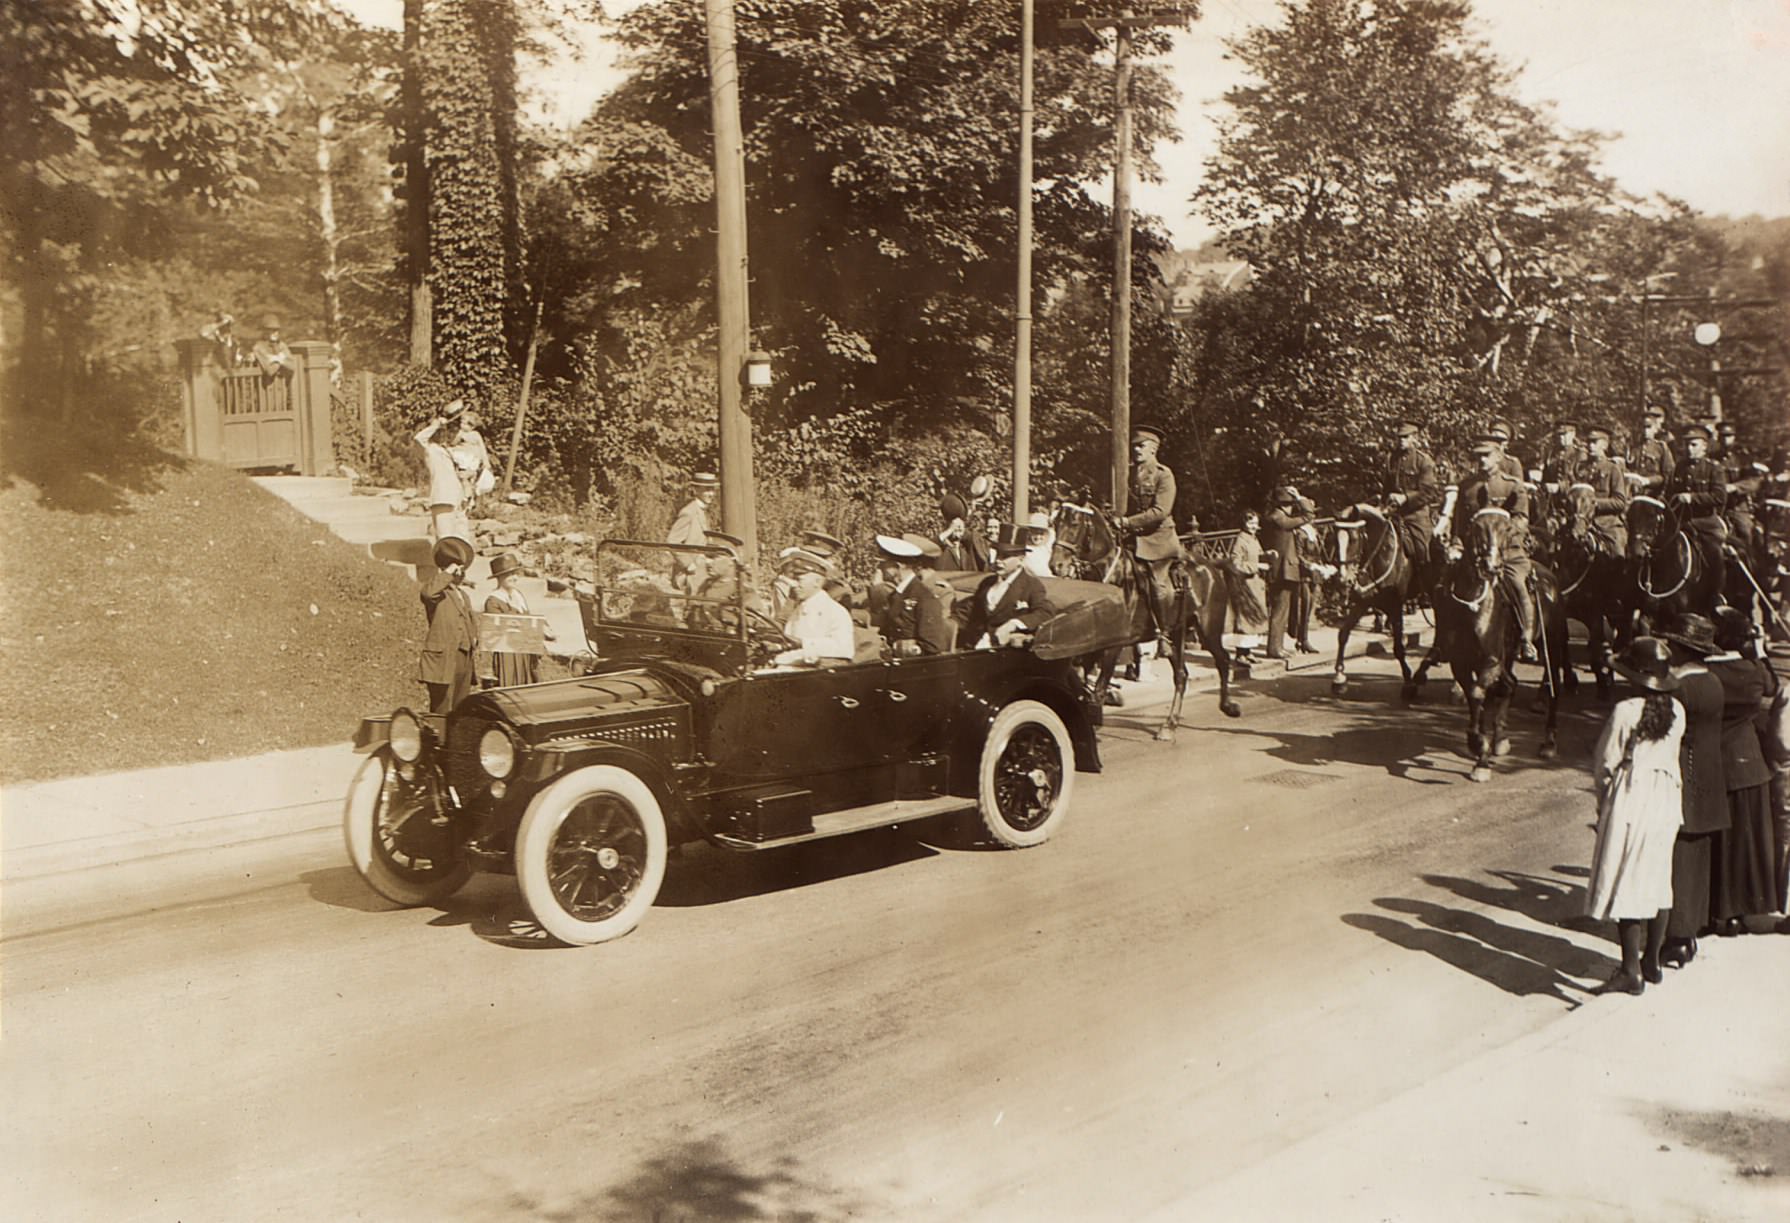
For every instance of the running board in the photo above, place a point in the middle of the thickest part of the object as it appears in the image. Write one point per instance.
(858, 819)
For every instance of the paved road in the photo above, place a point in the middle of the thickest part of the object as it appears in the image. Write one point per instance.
(1240, 941)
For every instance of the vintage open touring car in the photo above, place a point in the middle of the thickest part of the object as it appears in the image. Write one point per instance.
(681, 732)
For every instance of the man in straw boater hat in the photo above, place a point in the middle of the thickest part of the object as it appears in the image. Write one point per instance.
(1009, 604)
(1412, 490)
(690, 528)
(820, 627)
(1490, 488)
(445, 664)
(913, 619)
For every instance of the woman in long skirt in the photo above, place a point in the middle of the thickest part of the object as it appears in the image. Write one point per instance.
(508, 600)
(1640, 806)
(1750, 852)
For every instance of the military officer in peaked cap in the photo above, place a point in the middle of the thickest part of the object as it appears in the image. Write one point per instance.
(1412, 489)
(712, 607)
(913, 619)
(1490, 488)
(1561, 471)
(820, 627)
(1609, 489)
(1150, 517)
(1508, 462)
(1650, 468)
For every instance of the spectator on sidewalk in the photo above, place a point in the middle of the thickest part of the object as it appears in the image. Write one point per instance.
(1640, 807)
(445, 665)
(691, 529)
(447, 514)
(1705, 791)
(1244, 569)
(508, 600)
(1280, 539)
(1748, 871)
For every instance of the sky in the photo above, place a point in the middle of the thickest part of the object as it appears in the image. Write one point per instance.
(1697, 92)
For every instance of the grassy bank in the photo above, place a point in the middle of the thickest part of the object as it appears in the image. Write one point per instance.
(160, 611)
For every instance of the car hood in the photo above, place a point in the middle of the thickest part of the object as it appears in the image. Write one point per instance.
(545, 711)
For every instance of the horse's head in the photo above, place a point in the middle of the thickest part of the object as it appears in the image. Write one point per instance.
(1360, 538)
(1646, 522)
(1083, 532)
(1488, 536)
(1576, 505)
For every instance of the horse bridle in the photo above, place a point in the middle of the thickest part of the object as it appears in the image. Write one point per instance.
(1665, 518)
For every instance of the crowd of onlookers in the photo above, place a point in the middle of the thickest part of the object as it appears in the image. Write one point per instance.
(1692, 835)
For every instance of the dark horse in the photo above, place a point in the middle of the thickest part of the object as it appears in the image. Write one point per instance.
(1376, 575)
(1597, 585)
(1087, 545)
(1674, 573)
(1478, 632)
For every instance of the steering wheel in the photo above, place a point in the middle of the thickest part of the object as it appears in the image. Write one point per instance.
(765, 639)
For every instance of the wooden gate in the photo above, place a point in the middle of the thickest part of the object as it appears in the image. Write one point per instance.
(239, 417)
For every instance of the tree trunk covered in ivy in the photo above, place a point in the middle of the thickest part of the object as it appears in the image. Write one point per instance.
(466, 192)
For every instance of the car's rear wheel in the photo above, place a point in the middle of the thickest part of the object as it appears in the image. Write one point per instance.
(1026, 776)
(398, 834)
(590, 854)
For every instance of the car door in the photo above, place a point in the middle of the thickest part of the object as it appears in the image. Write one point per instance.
(814, 728)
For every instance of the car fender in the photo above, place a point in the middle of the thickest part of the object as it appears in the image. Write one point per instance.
(981, 708)
(554, 759)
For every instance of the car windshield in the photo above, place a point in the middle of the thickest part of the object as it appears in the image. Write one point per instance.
(668, 586)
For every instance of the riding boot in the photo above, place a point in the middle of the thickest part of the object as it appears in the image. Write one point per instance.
(1523, 605)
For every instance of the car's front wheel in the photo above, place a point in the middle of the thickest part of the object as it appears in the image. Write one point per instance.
(399, 836)
(590, 854)
(1027, 774)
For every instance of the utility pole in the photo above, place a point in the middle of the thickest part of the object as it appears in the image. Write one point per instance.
(738, 501)
(1129, 18)
(1022, 341)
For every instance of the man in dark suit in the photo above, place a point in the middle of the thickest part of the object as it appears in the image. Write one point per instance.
(1288, 513)
(1009, 604)
(961, 546)
(912, 619)
(445, 664)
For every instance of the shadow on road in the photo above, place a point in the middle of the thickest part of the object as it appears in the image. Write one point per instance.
(1758, 1146)
(697, 1181)
(1519, 960)
(704, 875)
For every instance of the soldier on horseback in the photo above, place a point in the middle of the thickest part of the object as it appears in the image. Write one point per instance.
(1149, 519)
(1609, 490)
(1652, 464)
(1699, 490)
(1412, 490)
(1744, 479)
(1490, 488)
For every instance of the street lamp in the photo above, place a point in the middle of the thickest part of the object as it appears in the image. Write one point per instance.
(1706, 335)
(758, 368)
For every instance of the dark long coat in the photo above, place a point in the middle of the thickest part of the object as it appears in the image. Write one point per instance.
(1025, 600)
(446, 656)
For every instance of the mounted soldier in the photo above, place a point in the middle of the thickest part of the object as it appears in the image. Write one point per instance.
(1490, 488)
(1744, 478)
(1699, 491)
(1650, 469)
(1609, 489)
(1508, 462)
(1149, 520)
(1412, 491)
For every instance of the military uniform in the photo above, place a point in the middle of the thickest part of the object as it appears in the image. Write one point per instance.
(1150, 519)
(1413, 473)
(914, 612)
(1609, 508)
(1566, 465)
(1746, 478)
(1499, 491)
(1654, 463)
(1705, 485)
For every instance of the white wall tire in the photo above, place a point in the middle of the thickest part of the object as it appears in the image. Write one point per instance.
(385, 852)
(590, 854)
(1026, 776)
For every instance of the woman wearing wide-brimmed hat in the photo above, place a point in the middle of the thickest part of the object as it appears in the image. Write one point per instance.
(1640, 806)
(1706, 819)
(508, 600)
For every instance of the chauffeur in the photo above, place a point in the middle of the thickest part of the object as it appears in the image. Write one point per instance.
(821, 628)
(1150, 520)
(1413, 490)
(445, 663)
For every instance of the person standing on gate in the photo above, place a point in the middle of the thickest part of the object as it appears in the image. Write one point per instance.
(691, 527)
(447, 513)
(1286, 516)
(445, 664)
(1150, 520)
(472, 461)
(1412, 490)
(1640, 806)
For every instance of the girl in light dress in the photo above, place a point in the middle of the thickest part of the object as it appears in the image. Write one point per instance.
(1640, 806)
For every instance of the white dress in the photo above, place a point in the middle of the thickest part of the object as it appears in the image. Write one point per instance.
(1638, 820)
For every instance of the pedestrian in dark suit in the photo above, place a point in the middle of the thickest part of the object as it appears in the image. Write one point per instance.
(445, 665)
(1280, 536)
(1009, 604)
(1706, 816)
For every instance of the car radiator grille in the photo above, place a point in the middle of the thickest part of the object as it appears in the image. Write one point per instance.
(463, 771)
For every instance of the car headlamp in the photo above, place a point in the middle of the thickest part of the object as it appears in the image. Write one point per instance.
(497, 752)
(405, 736)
